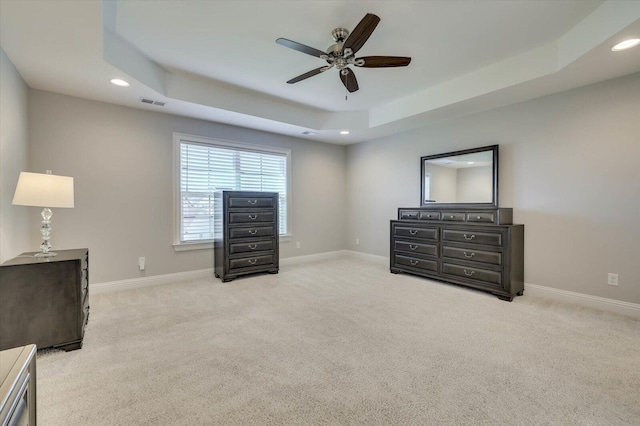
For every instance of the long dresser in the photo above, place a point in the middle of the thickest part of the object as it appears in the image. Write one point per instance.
(245, 233)
(478, 248)
(45, 301)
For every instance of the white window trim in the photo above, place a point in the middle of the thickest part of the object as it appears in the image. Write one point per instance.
(184, 137)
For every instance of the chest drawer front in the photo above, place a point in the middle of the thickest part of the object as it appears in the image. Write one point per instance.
(251, 246)
(472, 273)
(481, 217)
(415, 232)
(427, 215)
(408, 246)
(414, 262)
(409, 214)
(473, 237)
(249, 217)
(453, 217)
(253, 232)
(248, 262)
(494, 258)
(250, 202)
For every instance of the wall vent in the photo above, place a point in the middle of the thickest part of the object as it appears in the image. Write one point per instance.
(152, 102)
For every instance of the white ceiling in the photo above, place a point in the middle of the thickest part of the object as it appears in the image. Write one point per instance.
(218, 60)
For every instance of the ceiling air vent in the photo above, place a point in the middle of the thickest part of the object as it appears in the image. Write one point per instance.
(151, 102)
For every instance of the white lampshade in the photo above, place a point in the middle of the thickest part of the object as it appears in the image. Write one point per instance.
(44, 190)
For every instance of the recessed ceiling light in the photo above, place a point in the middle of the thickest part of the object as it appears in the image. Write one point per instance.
(344, 132)
(470, 162)
(119, 82)
(627, 44)
(309, 133)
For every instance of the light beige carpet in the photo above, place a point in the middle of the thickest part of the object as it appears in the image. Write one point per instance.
(341, 343)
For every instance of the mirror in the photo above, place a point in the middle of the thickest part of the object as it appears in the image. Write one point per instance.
(468, 178)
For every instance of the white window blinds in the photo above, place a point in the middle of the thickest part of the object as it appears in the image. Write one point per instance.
(209, 167)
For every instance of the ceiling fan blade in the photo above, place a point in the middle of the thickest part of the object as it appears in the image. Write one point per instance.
(383, 61)
(349, 80)
(309, 74)
(361, 32)
(300, 47)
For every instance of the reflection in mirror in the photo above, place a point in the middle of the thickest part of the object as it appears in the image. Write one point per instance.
(468, 177)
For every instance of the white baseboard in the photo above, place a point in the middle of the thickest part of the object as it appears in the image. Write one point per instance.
(602, 303)
(132, 283)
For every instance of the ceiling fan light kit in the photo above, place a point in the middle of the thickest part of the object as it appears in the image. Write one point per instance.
(342, 54)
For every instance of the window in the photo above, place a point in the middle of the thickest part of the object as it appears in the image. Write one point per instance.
(206, 165)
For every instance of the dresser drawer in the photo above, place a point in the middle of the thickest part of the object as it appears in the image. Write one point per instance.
(473, 273)
(453, 217)
(252, 232)
(414, 262)
(250, 202)
(481, 217)
(409, 214)
(251, 246)
(471, 236)
(413, 247)
(494, 258)
(402, 230)
(249, 262)
(429, 215)
(248, 217)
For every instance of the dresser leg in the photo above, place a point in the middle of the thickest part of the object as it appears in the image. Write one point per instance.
(226, 280)
(520, 293)
(505, 298)
(274, 271)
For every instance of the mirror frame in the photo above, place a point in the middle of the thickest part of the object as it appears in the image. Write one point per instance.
(436, 205)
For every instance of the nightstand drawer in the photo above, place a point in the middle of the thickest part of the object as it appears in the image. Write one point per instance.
(481, 217)
(453, 217)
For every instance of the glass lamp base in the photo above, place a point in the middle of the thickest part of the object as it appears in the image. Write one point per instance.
(49, 254)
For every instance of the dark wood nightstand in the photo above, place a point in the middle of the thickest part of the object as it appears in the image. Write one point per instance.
(44, 301)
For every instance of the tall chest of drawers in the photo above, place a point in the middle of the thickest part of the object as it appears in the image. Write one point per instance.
(45, 301)
(245, 233)
(474, 248)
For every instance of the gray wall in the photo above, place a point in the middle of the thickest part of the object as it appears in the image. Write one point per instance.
(122, 162)
(14, 224)
(569, 166)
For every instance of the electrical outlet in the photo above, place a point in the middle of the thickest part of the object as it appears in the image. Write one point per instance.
(141, 263)
(298, 244)
(357, 241)
(612, 279)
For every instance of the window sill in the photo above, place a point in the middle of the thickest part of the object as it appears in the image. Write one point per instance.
(209, 244)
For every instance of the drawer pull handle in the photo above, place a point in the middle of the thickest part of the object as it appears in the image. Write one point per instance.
(413, 231)
(412, 247)
(253, 246)
(414, 262)
(253, 216)
(478, 217)
(468, 255)
(252, 261)
(252, 201)
(428, 215)
(253, 231)
(471, 237)
(468, 273)
(451, 217)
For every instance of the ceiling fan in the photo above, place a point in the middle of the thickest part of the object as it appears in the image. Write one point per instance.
(342, 54)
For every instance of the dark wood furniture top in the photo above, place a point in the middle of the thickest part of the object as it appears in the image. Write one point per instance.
(18, 386)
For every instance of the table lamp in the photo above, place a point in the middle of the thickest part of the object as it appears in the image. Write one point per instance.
(44, 190)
